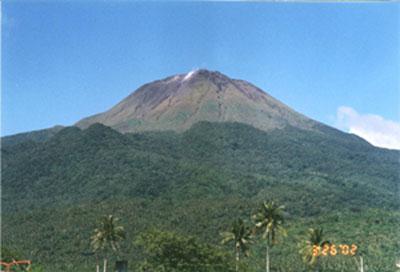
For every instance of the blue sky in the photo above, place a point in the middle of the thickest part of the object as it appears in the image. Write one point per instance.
(336, 63)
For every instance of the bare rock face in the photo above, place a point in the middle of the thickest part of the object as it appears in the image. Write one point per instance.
(177, 102)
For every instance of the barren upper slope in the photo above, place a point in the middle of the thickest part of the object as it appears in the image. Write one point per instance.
(178, 102)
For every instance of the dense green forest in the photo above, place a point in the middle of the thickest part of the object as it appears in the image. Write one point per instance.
(184, 189)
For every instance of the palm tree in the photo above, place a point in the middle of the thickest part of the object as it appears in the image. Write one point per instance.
(240, 234)
(314, 240)
(107, 235)
(269, 221)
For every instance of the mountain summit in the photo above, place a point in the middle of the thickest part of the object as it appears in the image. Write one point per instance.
(177, 102)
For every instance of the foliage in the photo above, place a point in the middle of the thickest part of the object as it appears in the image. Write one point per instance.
(8, 255)
(315, 239)
(32, 136)
(169, 251)
(241, 236)
(192, 184)
(107, 235)
(269, 221)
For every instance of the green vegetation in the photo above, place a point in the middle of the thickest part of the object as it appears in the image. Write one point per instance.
(315, 239)
(106, 237)
(240, 235)
(35, 136)
(192, 186)
(169, 251)
(269, 221)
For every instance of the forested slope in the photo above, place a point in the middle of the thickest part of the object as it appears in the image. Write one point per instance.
(196, 183)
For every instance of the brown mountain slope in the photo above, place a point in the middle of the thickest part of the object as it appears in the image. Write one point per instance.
(177, 102)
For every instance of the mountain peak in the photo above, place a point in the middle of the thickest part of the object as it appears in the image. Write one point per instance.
(206, 73)
(198, 74)
(179, 101)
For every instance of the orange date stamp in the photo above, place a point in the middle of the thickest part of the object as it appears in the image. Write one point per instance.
(334, 250)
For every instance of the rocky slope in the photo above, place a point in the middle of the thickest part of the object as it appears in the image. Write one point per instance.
(178, 102)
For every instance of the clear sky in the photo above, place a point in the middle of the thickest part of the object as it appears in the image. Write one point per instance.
(337, 63)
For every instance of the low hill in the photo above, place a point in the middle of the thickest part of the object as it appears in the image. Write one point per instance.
(34, 136)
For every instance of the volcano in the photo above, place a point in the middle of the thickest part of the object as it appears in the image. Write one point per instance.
(177, 102)
(188, 154)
